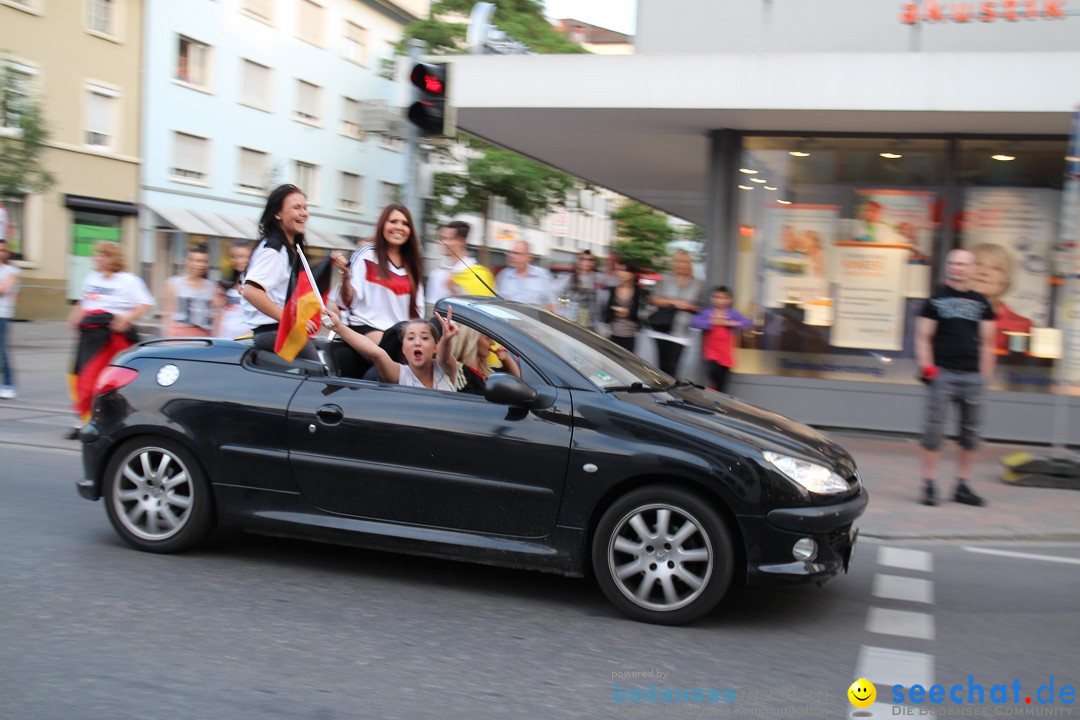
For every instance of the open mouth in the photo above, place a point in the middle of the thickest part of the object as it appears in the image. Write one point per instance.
(418, 355)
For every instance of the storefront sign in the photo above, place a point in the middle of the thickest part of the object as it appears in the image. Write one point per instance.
(870, 295)
(933, 11)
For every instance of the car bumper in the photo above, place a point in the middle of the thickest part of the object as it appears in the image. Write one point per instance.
(93, 447)
(770, 542)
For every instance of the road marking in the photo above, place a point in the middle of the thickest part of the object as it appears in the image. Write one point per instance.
(44, 448)
(884, 666)
(1026, 556)
(906, 559)
(900, 587)
(900, 622)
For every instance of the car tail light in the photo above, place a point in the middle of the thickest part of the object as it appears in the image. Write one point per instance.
(114, 377)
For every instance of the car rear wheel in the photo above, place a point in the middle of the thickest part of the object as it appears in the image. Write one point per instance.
(663, 555)
(157, 496)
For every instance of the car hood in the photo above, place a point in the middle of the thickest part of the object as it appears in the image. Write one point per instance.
(754, 426)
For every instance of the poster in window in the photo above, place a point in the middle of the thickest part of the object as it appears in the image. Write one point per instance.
(793, 261)
(899, 217)
(1011, 230)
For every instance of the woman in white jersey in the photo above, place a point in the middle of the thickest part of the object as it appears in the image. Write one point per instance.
(112, 302)
(384, 283)
(266, 283)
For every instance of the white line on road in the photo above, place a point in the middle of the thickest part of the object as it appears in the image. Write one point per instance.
(899, 587)
(1025, 556)
(906, 559)
(900, 622)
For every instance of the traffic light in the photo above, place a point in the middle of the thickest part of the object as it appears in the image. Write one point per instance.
(431, 113)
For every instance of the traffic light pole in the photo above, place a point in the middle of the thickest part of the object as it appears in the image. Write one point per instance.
(410, 198)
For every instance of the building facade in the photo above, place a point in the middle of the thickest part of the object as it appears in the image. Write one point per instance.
(91, 107)
(244, 95)
(835, 151)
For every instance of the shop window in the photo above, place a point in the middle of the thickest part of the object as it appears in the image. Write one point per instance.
(11, 227)
(88, 228)
(839, 237)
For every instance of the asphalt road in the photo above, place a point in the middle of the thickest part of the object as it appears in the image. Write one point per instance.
(254, 627)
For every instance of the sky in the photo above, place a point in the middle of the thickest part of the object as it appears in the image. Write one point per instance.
(617, 15)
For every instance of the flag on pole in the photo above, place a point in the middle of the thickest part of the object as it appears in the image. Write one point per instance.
(305, 298)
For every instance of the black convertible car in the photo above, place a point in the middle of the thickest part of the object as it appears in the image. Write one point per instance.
(593, 461)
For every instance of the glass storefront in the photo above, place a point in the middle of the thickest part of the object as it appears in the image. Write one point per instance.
(88, 228)
(841, 239)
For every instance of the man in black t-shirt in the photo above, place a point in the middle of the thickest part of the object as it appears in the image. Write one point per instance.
(954, 346)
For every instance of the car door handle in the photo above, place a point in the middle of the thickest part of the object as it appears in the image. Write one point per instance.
(330, 414)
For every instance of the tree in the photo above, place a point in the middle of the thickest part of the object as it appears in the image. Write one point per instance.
(521, 19)
(644, 235)
(23, 134)
(527, 186)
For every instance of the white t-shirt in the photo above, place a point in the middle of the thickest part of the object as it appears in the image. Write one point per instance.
(378, 302)
(7, 300)
(119, 293)
(269, 267)
(442, 382)
(232, 314)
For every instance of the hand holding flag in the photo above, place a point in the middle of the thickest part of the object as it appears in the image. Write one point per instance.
(305, 299)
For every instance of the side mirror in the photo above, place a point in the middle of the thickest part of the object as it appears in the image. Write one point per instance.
(505, 389)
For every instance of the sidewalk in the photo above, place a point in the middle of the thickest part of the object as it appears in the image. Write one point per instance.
(889, 464)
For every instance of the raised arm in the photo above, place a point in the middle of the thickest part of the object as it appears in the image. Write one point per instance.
(389, 370)
(443, 356)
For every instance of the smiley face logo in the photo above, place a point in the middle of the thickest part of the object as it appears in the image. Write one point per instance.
(862, 693)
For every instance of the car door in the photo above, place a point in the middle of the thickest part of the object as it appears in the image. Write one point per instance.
(431, 458)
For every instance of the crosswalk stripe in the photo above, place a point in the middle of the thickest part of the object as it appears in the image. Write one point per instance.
(901, 587)
(906, 559)
(904, 623)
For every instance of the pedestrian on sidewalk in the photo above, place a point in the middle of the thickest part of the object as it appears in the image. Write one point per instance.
(112, 302)
(954, 346)
(189, 298)
(721, 324)
(9, 291)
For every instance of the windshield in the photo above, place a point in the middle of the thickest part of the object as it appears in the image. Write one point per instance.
(600, 361)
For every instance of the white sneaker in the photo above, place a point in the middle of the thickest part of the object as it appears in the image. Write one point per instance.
(7, 393)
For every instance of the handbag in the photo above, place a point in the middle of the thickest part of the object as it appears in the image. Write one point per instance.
(663, 318)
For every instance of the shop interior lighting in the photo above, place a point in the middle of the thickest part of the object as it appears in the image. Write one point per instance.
(889, 155)
(758, 180)
(748, 171)
(800, 150)
(769, 187)
(1003, 157)
(1008, 154)
(784, 202)
(746, 187)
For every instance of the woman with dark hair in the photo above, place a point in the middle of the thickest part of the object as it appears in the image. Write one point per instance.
(623, 303)
(281, 230)
(384, 283)
(230, 316)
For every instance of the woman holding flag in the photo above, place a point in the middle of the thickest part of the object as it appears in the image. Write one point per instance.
(278, 285)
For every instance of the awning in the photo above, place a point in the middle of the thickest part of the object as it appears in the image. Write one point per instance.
(79, 202)
(183, 220)
(202, 222)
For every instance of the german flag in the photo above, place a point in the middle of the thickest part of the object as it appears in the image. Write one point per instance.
(301, 305)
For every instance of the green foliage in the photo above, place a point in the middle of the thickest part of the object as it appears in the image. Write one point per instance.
(521, 19)
(527, 186)
(644, 236)
(21, 171)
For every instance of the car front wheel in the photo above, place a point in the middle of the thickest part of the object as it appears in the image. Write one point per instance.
(157, 497)
(663, 555)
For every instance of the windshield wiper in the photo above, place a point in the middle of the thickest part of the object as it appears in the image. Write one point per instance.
(632, 387)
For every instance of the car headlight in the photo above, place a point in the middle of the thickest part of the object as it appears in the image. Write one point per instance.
(815, 478)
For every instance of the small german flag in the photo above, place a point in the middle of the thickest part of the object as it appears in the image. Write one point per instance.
(301, 305)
